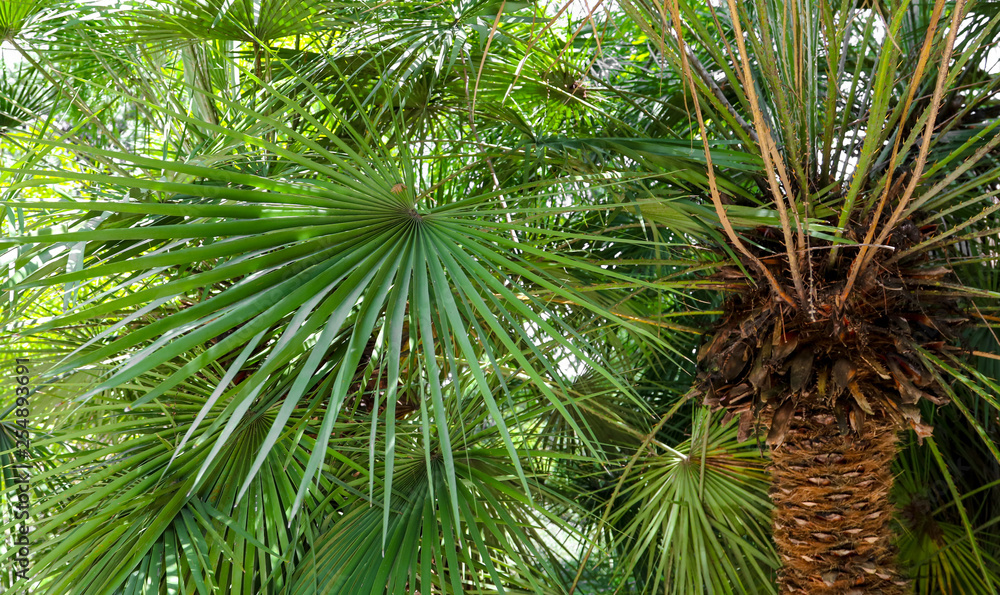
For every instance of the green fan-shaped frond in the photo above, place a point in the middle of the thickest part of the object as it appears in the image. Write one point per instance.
(695, 518)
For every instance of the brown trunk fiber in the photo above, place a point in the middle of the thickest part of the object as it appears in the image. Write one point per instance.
(831, 507)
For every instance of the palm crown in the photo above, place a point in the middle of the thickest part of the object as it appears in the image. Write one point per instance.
(459, 297)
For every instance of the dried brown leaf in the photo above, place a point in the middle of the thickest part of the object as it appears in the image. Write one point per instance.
(780, 423)
(859, 398)
(843, 372)
(801, 369)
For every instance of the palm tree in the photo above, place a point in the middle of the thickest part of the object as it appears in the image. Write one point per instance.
(841, 336)
(467, 297)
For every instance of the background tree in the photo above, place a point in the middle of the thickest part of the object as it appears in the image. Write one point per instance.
(348, 297)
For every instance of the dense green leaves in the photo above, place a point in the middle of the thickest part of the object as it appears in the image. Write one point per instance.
(342, 297)
(696, 519)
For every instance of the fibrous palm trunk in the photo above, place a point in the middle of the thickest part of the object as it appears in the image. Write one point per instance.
(833, 379)
(831, 507)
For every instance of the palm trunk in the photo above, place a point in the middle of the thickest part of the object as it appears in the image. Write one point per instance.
(832, 510)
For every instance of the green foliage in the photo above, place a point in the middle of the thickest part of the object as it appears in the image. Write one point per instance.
(343, 297)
